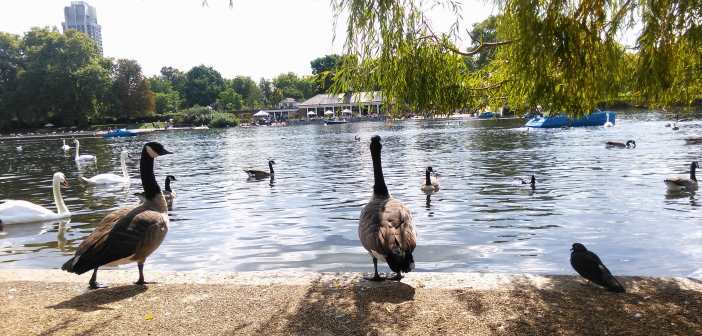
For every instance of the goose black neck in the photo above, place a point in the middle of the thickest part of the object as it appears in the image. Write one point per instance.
(428, 181)
(270, 167)
(379, 188)
(693, 167)
(168, 185)
(148, 180)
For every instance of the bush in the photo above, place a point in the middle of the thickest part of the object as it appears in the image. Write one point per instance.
(221, 120)
(196, 115)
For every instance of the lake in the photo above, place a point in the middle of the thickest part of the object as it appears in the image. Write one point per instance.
(482, 219)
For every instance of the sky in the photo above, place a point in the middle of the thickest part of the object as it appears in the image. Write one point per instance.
(257, 38)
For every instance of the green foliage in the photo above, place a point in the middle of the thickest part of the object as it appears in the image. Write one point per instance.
(324, 70)
(290, 85)
(562, 55)
(222, 120)
(250, 93)
(202, 86)
(131, 91)
(229, 100)
(196, 115)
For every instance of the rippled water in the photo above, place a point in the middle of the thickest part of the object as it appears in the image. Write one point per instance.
(614, 201)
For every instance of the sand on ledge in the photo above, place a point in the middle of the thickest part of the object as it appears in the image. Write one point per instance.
(51, 302)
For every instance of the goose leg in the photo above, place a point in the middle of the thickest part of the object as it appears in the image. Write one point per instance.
(141, 281)
(398, 276)
(376, 276)
(93, 283)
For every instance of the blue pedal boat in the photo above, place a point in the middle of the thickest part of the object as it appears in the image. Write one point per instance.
(599, 118)
(119, 133)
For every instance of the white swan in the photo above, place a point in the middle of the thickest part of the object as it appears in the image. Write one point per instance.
(84, 157)
(16, 211)
(65, 147)
(608, 123)
(111, 178)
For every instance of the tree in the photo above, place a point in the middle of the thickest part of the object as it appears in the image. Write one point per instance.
(175, 77)
(229, 100)
(484, 31)
(323, 68)
(10, 67)
(167, 99)
(202, 86)
(271, 96)
(132, 93)
(290, 85)
(249, 91)
(562, 55)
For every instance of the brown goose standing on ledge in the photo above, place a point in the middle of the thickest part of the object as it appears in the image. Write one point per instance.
(260, 174)
(614, 144)
(130, 234)
(385, 227)
(677, 183)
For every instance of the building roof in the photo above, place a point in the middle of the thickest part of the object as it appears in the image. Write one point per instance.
(373, 97)
(289, 100)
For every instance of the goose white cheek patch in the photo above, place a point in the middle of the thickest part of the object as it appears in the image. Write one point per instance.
(151, 152)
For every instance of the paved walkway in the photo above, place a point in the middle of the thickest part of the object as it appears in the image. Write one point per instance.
(49, 302)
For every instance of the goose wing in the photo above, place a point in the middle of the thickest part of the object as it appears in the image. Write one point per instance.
(386, 228)
(678, 181)
(131, 233)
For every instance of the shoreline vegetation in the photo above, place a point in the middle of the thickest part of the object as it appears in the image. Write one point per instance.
(44, 302)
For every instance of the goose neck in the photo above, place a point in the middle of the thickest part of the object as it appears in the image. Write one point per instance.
(693, 176)
(270, 167)
(148, 179)
(168, 185)
(379, 186)
(428, 177)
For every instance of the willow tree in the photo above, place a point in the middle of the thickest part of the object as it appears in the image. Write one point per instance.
(563, 55)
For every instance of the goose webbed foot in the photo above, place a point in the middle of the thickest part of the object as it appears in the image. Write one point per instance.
(376, 276)
(396, 277)
(93, 284)
(141, 281)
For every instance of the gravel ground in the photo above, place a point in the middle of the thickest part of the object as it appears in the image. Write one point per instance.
(46, 302)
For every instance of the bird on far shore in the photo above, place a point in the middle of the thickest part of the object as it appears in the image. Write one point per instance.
(590, 267)
(386, 227)
(616, 144)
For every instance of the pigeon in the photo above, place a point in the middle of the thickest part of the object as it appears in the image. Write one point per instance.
(590, 267)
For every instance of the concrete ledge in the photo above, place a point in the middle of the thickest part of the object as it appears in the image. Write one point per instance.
(52, 302)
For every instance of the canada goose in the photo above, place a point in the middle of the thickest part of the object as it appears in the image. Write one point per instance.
(16, 211)
(84, 157)
(676, 183)
(431, 183)
(260, 174)
(357, 138)
(615, 144)
(168, 194)
(675, 127)
(693, 141)
(386, 228)
(590, 267)
(110, 178)
(129, 234)
(531, 183)
(65, 147)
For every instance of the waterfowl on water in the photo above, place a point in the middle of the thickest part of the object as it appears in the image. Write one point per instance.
(18, 211)
(260, 174)
(168, 193)
(65, 147)
(677, 183)
(110, 178)
(675, 127)
(19, 148)
(357, 138)
(431, 183)
(615, 144)
(386, 228)
(590, 267)
(84, 157)
(129, 234)
(693, 141)
(531, 182)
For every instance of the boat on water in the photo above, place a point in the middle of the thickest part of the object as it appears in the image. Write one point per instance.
(336, 121)
(486, 115)
(598, 118)
(119, 133)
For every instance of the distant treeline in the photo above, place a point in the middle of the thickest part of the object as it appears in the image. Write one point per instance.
(50, 77)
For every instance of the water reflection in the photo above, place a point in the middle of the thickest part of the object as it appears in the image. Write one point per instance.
(482, 219)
